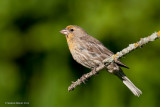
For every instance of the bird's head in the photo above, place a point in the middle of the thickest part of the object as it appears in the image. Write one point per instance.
(72, 31)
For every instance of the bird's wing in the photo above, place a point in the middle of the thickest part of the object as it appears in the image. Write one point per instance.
(121, 64)
(95, 47)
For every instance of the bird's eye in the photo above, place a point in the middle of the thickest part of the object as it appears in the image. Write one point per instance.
(71, 30)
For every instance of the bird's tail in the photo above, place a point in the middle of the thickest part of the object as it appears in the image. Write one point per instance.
(128, 83)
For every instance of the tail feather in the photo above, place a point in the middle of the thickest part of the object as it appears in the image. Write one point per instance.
(129, 84)
(132, 87)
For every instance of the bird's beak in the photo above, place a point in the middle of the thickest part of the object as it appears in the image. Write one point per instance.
(64, 31)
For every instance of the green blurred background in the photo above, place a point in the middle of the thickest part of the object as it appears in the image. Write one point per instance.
(37, 67)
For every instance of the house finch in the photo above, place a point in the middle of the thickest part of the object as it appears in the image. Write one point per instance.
(90, 52)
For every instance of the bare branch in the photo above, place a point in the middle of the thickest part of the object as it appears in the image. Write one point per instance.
(85, 77)
(132, 47)
(114, 57)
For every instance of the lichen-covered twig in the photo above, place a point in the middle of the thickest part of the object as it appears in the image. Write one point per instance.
(115, 57)
(132, 47)
(85, 77)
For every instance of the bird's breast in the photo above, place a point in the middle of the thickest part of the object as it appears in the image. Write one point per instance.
(71, 44)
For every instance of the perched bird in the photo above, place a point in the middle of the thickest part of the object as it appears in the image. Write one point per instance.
(90, 52)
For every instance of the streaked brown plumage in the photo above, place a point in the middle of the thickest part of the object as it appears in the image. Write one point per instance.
(90, 52)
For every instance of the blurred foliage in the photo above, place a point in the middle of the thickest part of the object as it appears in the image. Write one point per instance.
(36, 65)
